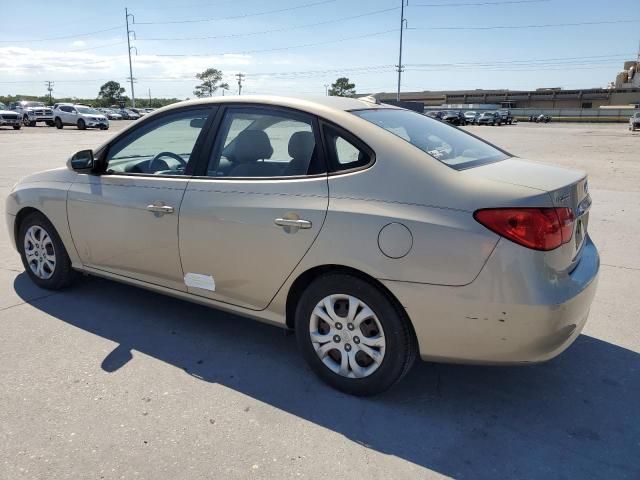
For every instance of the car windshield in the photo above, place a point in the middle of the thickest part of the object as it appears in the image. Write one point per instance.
(447, 144)
(87, 110)
(33, 104)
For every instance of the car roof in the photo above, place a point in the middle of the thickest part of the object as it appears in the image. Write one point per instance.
(306, 103)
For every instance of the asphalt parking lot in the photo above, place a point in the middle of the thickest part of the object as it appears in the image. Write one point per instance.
(108, 381)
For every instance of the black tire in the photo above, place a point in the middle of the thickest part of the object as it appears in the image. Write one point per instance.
(82, 125)
(50, 123)
(62, 273)
(58, 123)
(17, 127)
(401, 346)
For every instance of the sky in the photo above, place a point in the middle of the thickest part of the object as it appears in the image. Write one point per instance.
(299, 47)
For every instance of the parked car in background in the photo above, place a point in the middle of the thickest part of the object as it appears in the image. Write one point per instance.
(149, 110)
(469, 255)
(434, 114)
(140, 111)
(128, 114)
(9, 118)
(506, 116)
(110, 113)
(634, 121)
(489, 118)
(80, 116)
(32, 112)
(470, 116)
(454, 117)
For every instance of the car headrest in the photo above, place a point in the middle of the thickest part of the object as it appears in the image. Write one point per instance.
(251, 146)
(301, 145)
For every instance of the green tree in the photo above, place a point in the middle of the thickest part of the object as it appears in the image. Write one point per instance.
(110, 93)
(211, 80)
(342, 88)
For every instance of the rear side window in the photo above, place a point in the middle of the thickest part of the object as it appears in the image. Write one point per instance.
(445, 143)
(344, 151)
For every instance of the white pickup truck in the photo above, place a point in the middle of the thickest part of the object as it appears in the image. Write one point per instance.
(32, 112)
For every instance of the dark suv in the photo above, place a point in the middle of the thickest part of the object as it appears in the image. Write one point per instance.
(507, 118)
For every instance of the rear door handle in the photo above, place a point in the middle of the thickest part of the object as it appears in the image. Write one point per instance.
(287, 222)
(160, 208)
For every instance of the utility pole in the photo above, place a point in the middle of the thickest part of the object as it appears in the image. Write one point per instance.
(50, 85)
(403, 24)
(149, 98)
(129, 32)
(240, 76)
(326, 89)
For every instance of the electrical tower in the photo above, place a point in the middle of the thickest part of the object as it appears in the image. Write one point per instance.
(50, 86)
(129, 32)
(240, 77)
(400, 66)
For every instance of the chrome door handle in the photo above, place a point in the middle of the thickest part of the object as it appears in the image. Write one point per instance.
(287, 222)
(160, 208)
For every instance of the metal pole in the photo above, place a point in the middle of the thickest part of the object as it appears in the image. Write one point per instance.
(400, 55)
(240, 76)
(133, 95)
(326, 89)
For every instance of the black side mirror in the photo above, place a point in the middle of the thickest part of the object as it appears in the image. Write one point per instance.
(82, 161)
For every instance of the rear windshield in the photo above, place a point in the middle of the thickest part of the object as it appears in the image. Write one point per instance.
(445, 143)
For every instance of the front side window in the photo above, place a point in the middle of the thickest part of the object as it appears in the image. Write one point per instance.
(162, 147)
(449, 145)
(261, 142)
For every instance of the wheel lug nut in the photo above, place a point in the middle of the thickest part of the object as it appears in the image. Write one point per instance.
(356, 340)
(338, 326)
(347, 347)
(336, 338)
(350, 326)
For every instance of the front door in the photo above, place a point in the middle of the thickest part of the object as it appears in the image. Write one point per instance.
(251, 216)
(125, 221)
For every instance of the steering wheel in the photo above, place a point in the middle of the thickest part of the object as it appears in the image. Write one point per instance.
(175, 156)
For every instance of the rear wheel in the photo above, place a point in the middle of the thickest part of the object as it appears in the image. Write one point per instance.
(17, 127)
(353, 335)
(58, 123)
(81, 125)
(50, 123)
(43, 254)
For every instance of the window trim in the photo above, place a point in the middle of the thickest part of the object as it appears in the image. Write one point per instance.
(197, 151)
(351, 138)
(213, 140)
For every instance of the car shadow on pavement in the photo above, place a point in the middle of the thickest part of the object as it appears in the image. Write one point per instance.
(577, 416)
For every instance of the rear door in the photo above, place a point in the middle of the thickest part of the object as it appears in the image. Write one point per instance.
(256, 207)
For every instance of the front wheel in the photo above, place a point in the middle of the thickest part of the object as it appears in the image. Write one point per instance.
(353, 335)
(43, 254)
(17, 127)
(50, 123)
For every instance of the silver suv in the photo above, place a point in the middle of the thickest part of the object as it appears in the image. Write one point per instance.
(9, 118)
(634, 121)
(80, 116)
(32, 112)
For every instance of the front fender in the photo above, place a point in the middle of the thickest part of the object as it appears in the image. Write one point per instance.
(48, 197)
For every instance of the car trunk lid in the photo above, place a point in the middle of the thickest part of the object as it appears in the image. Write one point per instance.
(566, 188)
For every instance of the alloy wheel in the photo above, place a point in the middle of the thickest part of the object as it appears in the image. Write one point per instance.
(347, 336)
(39, 252)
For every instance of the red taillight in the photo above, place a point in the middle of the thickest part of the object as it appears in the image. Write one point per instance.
(536, 228)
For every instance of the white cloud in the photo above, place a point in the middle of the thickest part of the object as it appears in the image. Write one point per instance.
(78, 43)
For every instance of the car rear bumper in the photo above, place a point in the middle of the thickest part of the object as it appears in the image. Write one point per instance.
(512, 313)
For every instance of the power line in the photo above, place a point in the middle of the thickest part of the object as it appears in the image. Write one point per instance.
(477, 4)
(275, 30)
(518, 27)
(245, 15)
(88, 34)
(289, 47)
